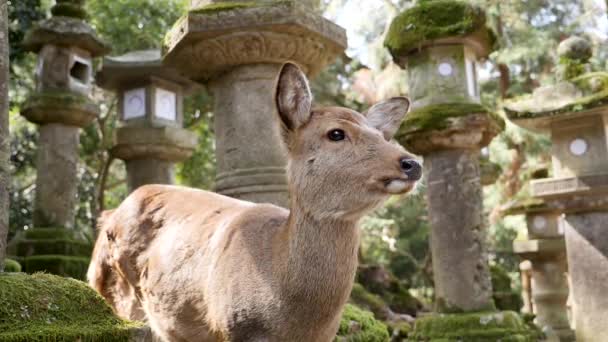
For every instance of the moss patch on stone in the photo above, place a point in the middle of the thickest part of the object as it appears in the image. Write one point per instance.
(431, 20)
(504, 326)
(595, 93)
(369, 301)
(11, 265)
(44, 307)
(218, 7)
(437, 117)
(502, 293)
(360, 326)
(71, 266)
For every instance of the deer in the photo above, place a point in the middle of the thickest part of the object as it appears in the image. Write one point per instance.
(199, 266)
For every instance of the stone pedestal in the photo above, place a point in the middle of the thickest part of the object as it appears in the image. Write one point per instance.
(573, 112)
(238, 49)
(151, 138)
(60, 105)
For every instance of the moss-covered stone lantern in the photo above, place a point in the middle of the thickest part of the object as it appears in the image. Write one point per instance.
(150, 138)
(545, 248)
(574, 112)
(238, 48)
(440, 42)
(61, 106)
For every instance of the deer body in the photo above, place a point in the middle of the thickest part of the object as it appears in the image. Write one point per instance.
(199, 266)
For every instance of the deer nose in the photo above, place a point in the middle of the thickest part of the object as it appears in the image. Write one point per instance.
(411, 168)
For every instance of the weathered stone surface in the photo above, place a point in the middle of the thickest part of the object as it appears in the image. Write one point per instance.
(64, 69)
(206, 44)
(161, 143)
(588, 260)
(472, 131)
(64, 31)
(57, 176)
(149, 171)
(250, 157)
(460, 269)
(229, 4)
(4, 131)
(59, 107)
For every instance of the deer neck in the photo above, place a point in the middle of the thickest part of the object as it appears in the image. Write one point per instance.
(321, 255)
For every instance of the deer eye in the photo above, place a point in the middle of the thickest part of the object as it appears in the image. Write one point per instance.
(336, 135)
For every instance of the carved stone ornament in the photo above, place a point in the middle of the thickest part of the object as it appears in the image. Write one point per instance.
(204, 45)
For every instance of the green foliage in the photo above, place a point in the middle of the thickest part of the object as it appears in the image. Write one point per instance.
(43, 307)
(430, 20)
(367, 328)
(11, 265)
(134, 25)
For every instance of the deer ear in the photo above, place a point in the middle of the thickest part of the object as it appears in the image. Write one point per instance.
(386, 116)
(293, 97)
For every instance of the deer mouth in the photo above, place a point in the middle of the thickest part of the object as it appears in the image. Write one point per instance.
(398, 186)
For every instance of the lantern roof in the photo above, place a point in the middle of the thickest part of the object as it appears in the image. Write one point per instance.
(119, 71)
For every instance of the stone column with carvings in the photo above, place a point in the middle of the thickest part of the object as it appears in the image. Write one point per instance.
(575, 114)
(448, 127)
(61, 106)
(545, 248)
(151, 138)
(238, 48)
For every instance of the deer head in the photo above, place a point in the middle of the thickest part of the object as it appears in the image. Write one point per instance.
(341, 163)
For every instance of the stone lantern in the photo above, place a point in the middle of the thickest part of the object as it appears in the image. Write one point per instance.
(440, 42)
(575, 114)
(545, 249)
(60, 106)
(238, 48)
(150, 138)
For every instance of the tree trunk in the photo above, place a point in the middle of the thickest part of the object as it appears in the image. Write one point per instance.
(4, 138)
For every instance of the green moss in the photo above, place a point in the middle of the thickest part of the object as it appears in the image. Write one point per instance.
(504, 326)
(67, 9)
(594, 86)
(58, 98)
(430, 20)
(11, 265)
(230, 6)
(368, 329)
(439, 116)
(72, 266)
(489, 171)
(44, 307)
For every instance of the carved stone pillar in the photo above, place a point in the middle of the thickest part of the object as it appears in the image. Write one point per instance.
(573, 111)
(150, 139)
(448, 127)
(238, 48)
(61, 106)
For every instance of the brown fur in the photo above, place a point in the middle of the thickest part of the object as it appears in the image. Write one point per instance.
(204, 267)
